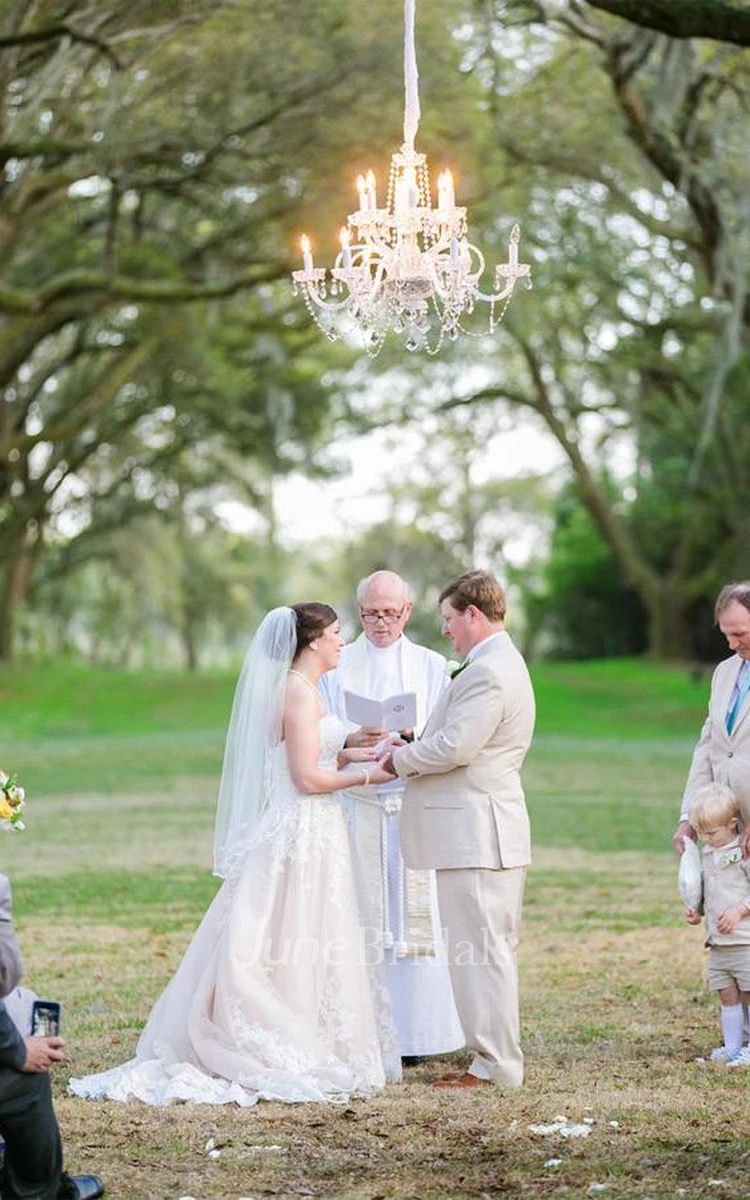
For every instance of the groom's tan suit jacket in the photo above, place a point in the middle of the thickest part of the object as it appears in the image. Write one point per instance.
(464, 804)
(721, 757)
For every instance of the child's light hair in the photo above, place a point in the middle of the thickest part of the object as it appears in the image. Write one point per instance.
(714, 804)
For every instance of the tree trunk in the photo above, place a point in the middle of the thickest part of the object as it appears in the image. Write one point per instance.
(189, 645)
(14, 582)
(21, 543)
(669, 633)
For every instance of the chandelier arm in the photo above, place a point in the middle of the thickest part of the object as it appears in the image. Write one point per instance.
(327, 305)
(496, 296)
(411, 77)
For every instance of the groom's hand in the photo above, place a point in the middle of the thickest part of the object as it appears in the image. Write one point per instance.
(367, 736)
(386, 763)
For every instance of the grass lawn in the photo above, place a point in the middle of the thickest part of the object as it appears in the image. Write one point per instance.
(113, 874)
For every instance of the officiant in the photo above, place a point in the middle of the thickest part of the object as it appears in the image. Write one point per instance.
(401, 903)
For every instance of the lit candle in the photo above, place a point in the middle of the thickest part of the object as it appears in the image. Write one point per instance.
(307, 259)
(446, 198)
(371, 197)
(450, 199)
(513, 255)
(362, 189)
(346, 254)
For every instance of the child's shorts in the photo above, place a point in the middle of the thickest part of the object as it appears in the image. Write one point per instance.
(729, 966)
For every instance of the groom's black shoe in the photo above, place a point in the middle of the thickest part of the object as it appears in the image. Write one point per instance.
(411, 1060)
(80, 1187)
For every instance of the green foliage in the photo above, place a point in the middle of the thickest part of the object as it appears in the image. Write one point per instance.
(585, 610)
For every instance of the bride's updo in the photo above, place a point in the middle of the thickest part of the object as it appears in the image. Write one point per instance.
(312, 620)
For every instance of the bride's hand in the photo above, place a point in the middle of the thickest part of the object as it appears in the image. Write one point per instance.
(356, 754)
(381, 773)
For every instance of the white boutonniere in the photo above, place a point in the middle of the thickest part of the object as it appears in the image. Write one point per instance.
(726, 857)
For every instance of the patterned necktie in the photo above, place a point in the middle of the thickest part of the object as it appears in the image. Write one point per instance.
(740, 690)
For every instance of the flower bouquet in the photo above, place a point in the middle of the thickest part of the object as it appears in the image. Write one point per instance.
(12, 802)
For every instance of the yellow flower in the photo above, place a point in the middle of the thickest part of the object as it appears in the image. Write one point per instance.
(5, 809)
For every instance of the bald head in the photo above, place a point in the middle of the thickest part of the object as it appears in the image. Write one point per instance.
(384, 607)
(383, 581)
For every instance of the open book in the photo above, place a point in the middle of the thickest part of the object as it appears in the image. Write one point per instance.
(396, 712)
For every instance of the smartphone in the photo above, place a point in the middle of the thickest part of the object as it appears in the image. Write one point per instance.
(45, 1018)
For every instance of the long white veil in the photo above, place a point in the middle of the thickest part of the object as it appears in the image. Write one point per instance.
(246, 793)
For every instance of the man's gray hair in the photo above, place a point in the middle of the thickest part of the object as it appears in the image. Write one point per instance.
(363, 584)
(731, 593)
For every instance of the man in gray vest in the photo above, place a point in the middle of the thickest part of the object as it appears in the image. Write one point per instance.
(32, 1169)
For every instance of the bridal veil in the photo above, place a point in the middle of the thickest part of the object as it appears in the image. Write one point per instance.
(248, 808)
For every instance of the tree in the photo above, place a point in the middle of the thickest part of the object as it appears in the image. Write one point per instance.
(638, 207)
(157, 158)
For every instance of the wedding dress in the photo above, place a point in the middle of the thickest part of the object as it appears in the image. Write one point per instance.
(275, 998)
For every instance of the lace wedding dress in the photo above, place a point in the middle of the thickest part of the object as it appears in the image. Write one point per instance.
(274, 998)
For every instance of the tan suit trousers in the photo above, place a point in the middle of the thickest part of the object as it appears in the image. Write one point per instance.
(480, 911)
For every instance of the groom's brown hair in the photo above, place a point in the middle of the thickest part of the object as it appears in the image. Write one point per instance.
(480, 589)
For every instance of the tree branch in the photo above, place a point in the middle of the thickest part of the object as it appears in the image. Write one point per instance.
(719, 20)
(53, 33)
(107, 288)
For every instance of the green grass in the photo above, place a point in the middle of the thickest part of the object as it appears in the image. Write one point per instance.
(71, 728)
(67, 699)
(624, 699)
(619, 698)
(114, 873)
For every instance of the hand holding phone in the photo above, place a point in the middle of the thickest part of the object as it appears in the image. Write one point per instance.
(45, 1018)
(41, 1054)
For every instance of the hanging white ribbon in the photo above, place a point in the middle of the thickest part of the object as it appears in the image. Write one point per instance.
(411, 77)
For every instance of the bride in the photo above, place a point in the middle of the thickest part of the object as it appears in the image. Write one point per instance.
(275, 998)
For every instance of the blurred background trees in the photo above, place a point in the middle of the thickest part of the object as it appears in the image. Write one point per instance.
(158, 380)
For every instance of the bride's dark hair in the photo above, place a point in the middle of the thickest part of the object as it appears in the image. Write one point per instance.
(312, 620)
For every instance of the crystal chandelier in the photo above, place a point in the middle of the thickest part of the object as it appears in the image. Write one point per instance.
(406, 267)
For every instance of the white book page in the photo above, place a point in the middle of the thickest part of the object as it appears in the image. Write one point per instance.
(396, 712)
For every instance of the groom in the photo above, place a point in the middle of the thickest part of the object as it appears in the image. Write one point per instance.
(464, 814)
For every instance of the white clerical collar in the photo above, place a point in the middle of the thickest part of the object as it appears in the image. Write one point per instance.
(479, 648)
(381, 652)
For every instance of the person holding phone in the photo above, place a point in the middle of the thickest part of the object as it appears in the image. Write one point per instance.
(33, 1164)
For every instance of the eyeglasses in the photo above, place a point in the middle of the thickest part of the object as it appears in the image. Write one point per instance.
(389, 616)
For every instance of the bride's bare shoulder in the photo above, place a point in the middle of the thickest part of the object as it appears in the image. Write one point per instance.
(301, 697)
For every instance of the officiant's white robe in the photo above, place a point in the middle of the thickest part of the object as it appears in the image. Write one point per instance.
(418, 982)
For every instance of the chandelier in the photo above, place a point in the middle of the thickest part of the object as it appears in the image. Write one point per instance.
(406, 267)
